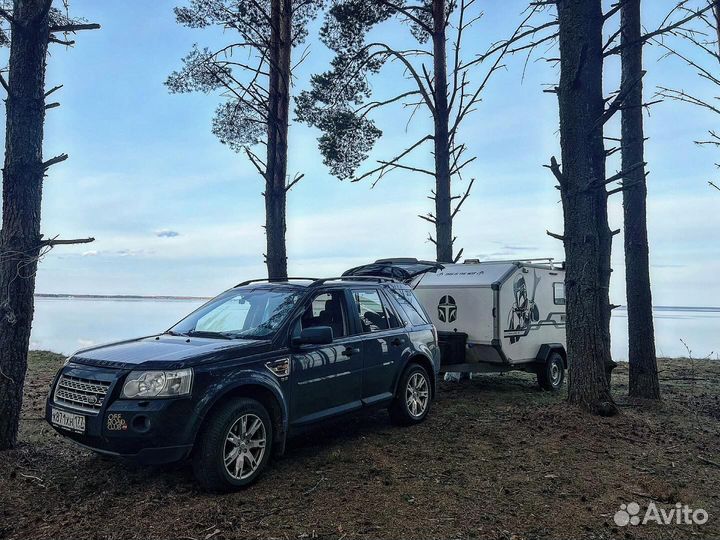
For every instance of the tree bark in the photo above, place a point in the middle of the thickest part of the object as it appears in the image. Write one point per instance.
(641, 336)
(716, 17)
(22, 194)
(443, 198)
(587, 236)
(277, 144)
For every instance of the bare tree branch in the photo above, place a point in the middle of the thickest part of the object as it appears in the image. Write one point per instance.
(462, 199)
(383, 169)
(556, 236)
(619, 99)
(74, 27)
(57, 242)
(662, 30)
(57, 159)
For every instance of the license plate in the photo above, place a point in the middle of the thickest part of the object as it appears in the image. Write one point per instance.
(69, 421)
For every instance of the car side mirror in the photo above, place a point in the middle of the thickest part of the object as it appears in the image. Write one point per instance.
(317, 335)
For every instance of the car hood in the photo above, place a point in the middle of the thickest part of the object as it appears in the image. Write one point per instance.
(168, 352)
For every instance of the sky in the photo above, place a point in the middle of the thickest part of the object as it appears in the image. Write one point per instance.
(176, 212)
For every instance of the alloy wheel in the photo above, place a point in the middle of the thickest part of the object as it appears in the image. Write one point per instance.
(417, 394)
(244, 446)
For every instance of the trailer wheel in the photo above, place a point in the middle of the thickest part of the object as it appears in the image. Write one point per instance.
(551, 375)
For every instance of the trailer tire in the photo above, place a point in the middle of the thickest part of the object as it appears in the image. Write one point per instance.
(551, 374)
(413, 397)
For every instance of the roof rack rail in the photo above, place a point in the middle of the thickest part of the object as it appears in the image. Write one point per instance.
(406, 260)
(546, 260)
(284, 280)
(379, 279)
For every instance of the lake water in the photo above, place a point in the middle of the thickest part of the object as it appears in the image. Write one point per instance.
(67, 324)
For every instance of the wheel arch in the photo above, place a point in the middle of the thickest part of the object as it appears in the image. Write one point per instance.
(547, 349)
(423, 361)
(269, 395)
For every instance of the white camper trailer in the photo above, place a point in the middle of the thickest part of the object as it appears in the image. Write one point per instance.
(499, 316)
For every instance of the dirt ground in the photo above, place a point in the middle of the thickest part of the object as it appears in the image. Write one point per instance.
(496, 458)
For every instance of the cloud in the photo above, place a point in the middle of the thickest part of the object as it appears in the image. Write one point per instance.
(91, 253)
(166, 233)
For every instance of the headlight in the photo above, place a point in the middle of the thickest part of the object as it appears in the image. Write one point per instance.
(153, 384)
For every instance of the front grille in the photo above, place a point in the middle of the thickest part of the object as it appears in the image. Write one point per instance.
(83, 394)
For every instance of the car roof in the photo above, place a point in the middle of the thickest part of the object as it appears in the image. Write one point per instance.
(307, 283)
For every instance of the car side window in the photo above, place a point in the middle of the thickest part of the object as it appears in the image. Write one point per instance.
(327, 309)
(410, 305)
(372, 314)
(392, 314)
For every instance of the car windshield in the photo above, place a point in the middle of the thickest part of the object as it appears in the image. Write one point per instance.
(240, 313)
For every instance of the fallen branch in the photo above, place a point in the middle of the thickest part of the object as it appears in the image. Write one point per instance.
(708, 461)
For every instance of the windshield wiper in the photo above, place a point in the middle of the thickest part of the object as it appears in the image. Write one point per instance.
(174, 333)
(207, 333)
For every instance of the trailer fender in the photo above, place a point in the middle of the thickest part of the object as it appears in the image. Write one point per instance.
(546, 349)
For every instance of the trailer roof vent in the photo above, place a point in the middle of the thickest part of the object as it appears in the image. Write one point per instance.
(471, 261)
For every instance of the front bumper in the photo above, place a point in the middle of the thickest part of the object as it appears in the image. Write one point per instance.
(146, 431)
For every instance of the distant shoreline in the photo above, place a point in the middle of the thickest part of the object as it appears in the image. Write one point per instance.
(67, 296)
(70, 296)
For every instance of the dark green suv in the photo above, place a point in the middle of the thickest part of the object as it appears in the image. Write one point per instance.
(228, 384)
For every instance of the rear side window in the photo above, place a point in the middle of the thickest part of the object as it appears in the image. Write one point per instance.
(559, 293)
(410, 305)
(373, 317)
(326, 309)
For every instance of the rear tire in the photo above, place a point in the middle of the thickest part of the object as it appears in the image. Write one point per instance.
(413, 397)
(234, 446)
(551, 375)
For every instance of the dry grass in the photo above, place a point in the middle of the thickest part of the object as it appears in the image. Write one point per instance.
(497, 458)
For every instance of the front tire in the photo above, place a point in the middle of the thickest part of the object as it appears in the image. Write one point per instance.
(413, 397)
(551, 375)
(234, 446)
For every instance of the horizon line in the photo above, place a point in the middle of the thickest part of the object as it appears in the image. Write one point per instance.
(192, 297)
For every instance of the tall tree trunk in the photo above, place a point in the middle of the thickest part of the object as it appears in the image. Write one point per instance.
(277, 144)
(716, 17)
(587, 236)
(641, 336)
(22, 194)
(443, 199)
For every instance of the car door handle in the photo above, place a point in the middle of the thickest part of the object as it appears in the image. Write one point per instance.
(349, 351)
(396, 342)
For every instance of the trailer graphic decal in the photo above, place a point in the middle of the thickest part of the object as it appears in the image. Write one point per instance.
(524, 311)
(447, 309)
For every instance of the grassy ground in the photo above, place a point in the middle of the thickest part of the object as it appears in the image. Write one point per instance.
(496, 458)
